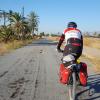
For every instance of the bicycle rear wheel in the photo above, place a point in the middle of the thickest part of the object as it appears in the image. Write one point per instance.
(72, 87)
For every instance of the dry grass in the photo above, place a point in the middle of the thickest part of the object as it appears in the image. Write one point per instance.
(92, 42)
(96, 62)
(53, 38)
(6, 47)
(3, 49)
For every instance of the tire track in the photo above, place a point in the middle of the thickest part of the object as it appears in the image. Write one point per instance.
(37, 76)
(40, 84)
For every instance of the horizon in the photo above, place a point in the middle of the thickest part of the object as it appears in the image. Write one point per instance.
(54, 15)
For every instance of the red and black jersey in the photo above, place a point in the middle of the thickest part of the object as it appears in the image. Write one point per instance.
(71, 36)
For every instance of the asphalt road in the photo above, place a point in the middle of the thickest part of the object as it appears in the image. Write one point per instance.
(31, 73)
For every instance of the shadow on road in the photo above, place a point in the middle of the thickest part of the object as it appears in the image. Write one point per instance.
(93, 91)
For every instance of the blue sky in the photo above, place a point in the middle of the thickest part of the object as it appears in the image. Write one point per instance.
(55, 14)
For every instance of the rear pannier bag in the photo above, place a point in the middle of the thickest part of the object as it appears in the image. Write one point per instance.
(64, 74)
(83, 74)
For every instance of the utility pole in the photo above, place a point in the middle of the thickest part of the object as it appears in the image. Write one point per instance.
(10, 14)
(4, 16)
(22, 13)
(22, 22)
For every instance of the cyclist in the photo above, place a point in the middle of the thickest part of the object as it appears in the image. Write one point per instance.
(73, 42)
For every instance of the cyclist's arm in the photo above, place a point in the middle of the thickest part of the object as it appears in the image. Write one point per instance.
(60, 41)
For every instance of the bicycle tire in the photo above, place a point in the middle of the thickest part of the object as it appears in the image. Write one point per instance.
(72, 87)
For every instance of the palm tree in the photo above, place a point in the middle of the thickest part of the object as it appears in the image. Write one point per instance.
(6, 33)
(1, 14)
(9, 17)
(19, 25)
(4, 15)
(33, 20)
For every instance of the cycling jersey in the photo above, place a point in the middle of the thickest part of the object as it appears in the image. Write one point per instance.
(72, 33)
(72, 36)
(73, 42)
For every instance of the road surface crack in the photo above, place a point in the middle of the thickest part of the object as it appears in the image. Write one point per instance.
(4, 73)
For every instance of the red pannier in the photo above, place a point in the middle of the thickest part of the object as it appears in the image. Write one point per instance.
(64, 74)
(83, 74)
